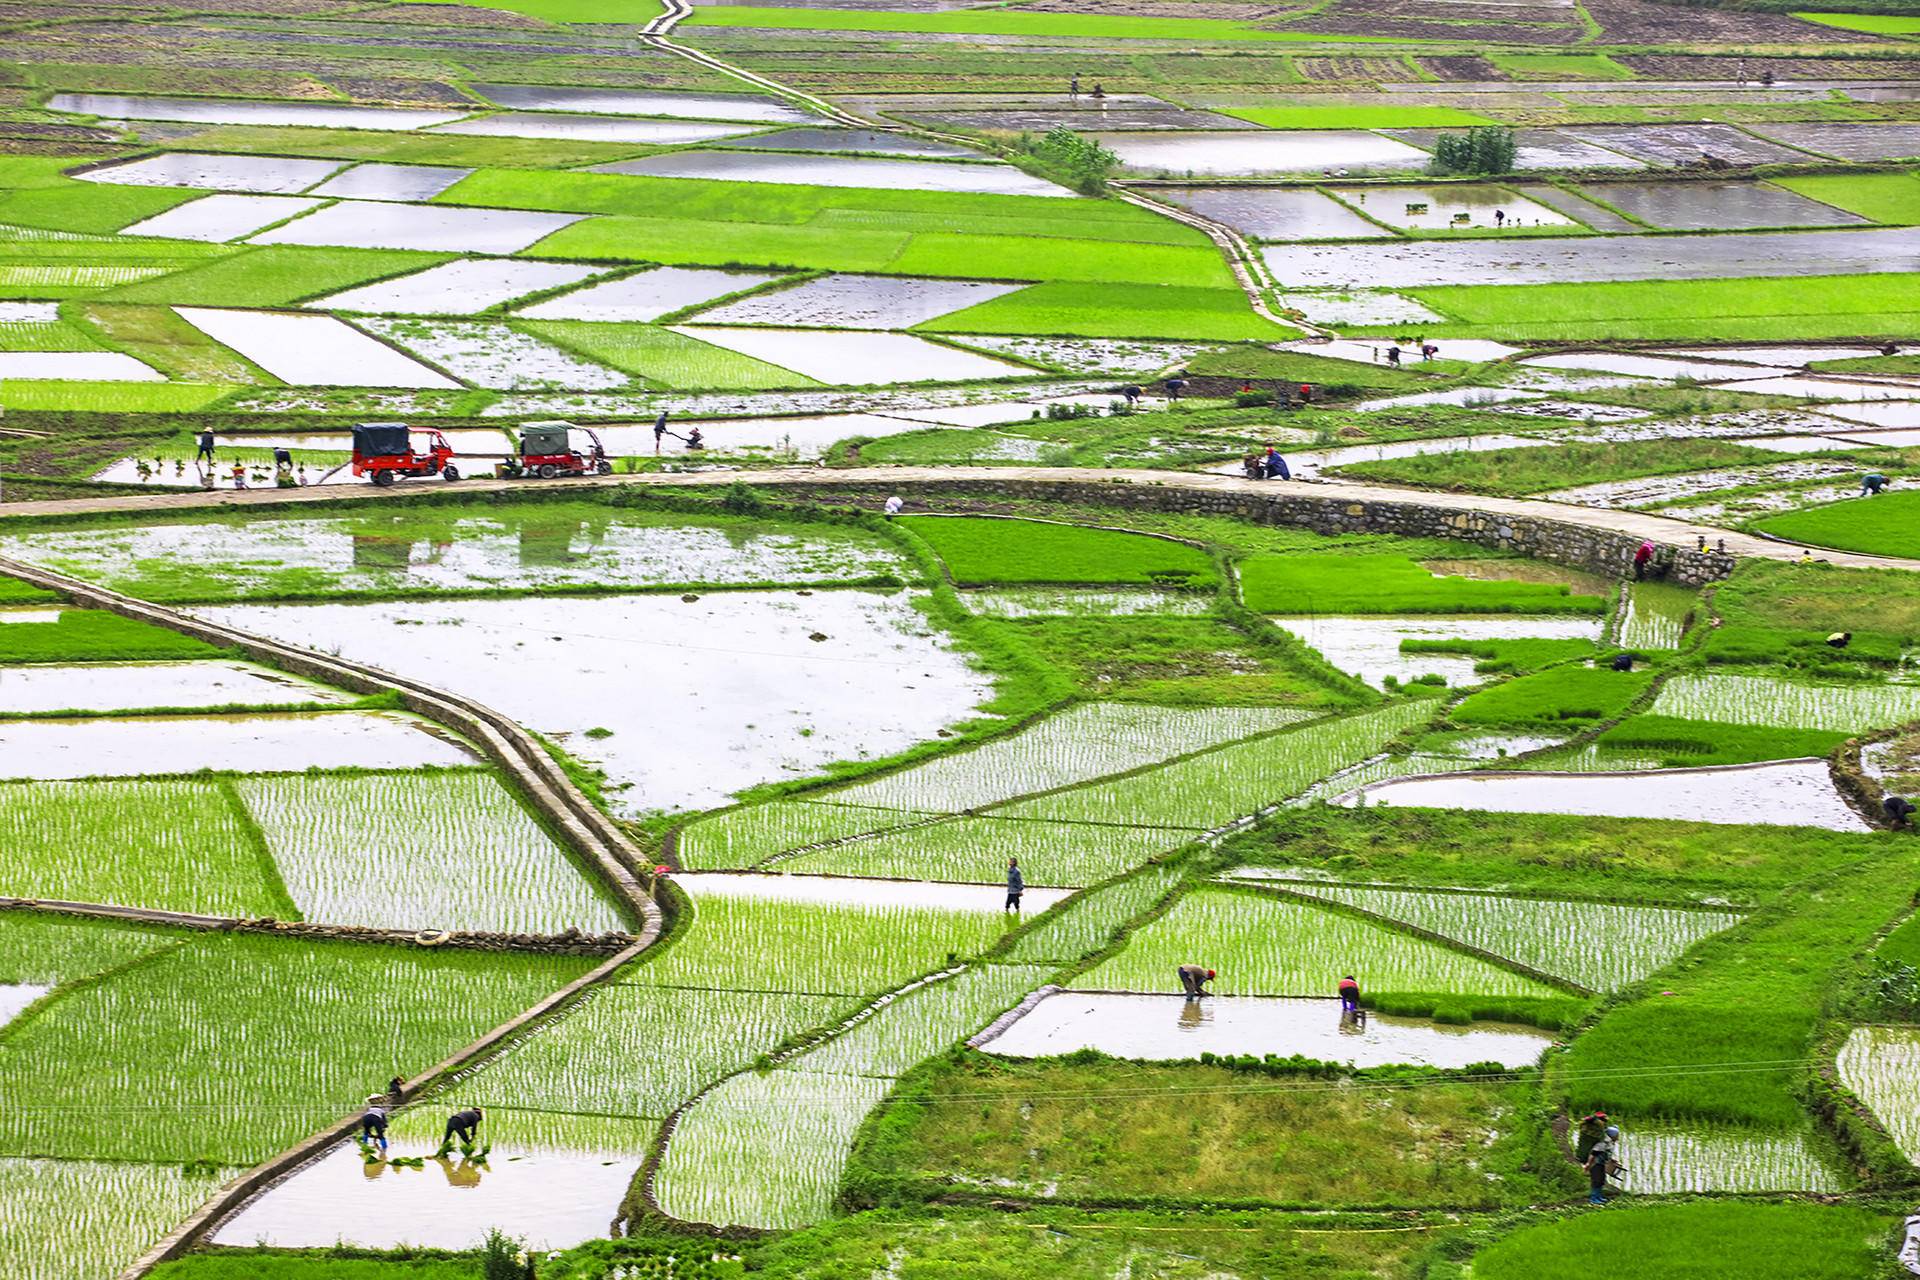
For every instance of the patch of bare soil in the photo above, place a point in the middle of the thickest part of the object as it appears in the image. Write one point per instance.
(1643, 22)
(1465, 66)
(1368, 70)
(1682, 67)
(401, 93)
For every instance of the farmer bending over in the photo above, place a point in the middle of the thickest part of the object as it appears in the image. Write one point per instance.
(1349, 994)
(463, 1123)
(1194, 980)
(373, 1124)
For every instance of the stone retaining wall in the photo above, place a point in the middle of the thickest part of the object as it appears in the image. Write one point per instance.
(1295, 504)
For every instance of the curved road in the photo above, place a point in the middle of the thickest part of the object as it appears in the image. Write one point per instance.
(905, 480)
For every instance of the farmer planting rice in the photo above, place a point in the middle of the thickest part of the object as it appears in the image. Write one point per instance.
(463, 1125)
(1194, 979)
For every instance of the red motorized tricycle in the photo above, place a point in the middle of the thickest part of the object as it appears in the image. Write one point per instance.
(546, 450)
(385, 450)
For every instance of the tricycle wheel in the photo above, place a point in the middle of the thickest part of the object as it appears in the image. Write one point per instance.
(548, 471)
(383, 477)
(605, 468)
(449, 472)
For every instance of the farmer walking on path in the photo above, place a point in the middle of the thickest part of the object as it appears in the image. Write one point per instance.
(1599, 1164)
(463, 1124)
(1194, 980)
(1016, 885)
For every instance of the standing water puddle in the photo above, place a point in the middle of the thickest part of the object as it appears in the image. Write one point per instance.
(682, 703)
(1167, 1027)
(128, 747)
(1793, 793)
(551, 1199)
(1369, 647)
(230, 111)
(131, 686)
(1898, 414)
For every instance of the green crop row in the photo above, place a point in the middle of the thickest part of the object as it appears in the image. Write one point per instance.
(1389, 584)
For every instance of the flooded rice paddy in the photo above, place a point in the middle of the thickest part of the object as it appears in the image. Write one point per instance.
(1792, 793)
(896, 895)
(1360, 307)
(494, 355)
(1718, 205)
(1245, 155)
(313, 351)
(1445, 207)
(312, 115)
(259, 175)
(370, 224)
(680, 703)
(1662, 1160)
(523, 550)
(410, 182)
(76, 366)
(1761, 700)
(1170, 1027)
(551, 1199)
(841, 171)
(457, 288)
(856, 141)
(1410, 264)
(127, 746)
(135, 686)
(1369, 647)
(626, 102)
(219, 218)
(857, 302)
(1274, 213)
(1881, 1066)
(590, 128)
(855, 357)
(646, 296)
(1040, 602)
(15, 997)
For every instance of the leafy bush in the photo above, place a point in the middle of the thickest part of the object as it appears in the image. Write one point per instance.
(1483, 149)
(1069, 159)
